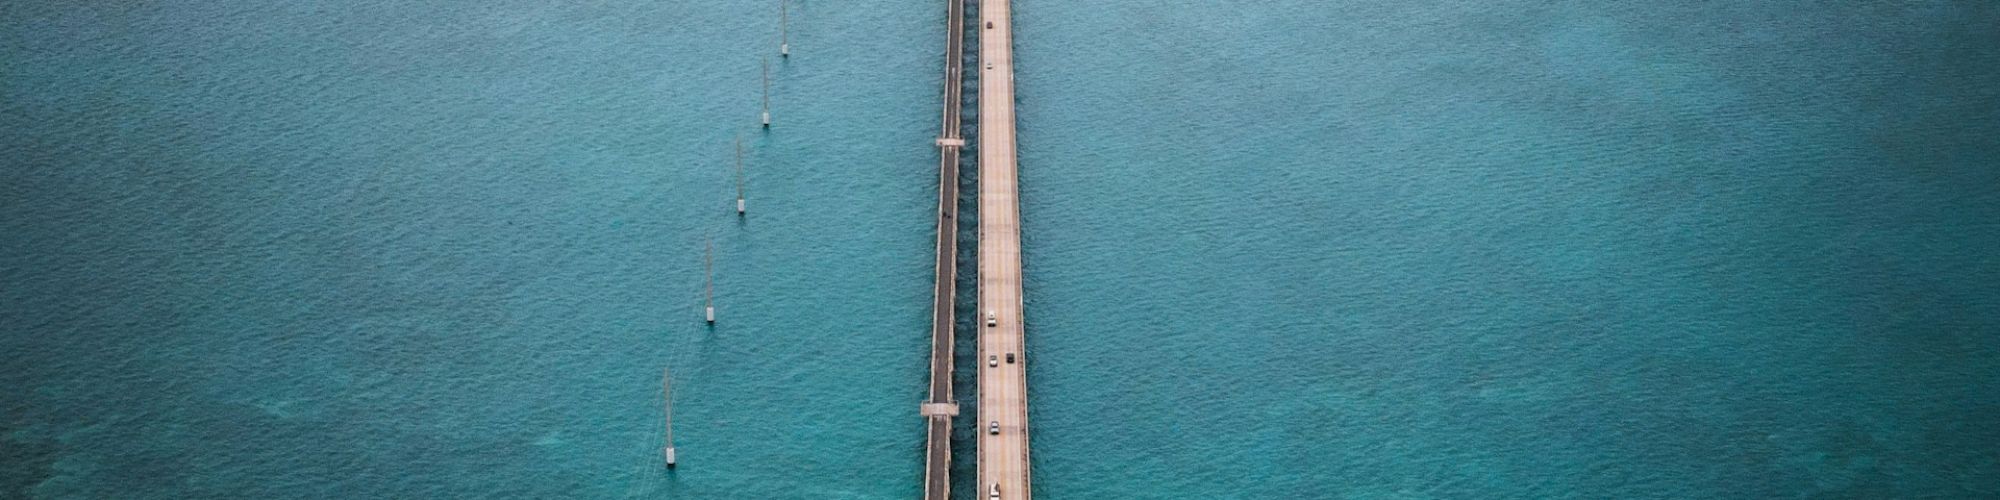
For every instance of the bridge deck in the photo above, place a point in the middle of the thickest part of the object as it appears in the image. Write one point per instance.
(1003, 390)
(939, 406)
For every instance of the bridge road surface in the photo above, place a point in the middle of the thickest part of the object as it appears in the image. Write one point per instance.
(939, 406)
(1003, 390)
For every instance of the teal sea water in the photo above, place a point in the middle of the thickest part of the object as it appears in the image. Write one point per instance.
(1287, 249)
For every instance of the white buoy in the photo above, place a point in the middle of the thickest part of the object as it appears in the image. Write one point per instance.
(767, 91)
(708, 268)
(739, 174)
(667, 393)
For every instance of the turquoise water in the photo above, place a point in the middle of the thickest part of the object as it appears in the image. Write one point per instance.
(1275, 250)
(1512, 249)
(427, 250)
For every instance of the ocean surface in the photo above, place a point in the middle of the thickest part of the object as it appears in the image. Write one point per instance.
(1281, 249)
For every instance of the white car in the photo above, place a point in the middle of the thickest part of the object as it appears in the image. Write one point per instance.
(993, 428)
(991, 320)
(995, 495)
(992, 360)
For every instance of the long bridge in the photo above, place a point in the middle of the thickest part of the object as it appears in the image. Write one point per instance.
(1003, 382)
(1003, 389)
(939, 407)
